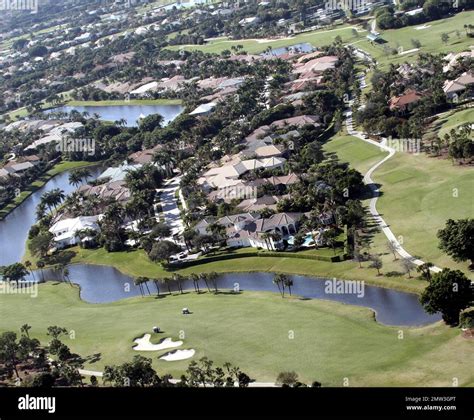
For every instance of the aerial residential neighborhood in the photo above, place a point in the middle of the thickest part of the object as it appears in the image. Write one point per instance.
(272, 194)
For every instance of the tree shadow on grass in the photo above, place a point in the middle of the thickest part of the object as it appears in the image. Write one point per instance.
(93, 358)
(370, 191)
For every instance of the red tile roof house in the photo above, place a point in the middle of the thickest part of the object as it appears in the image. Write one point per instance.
(403, 102)
(455, 88)
(298, 121)
(144, 156)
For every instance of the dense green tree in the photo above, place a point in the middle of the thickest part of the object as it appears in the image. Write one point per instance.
(449, 292)
(457, 239)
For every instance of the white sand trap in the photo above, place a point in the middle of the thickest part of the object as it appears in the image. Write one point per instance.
(178, 355)
(409, 51)
(144, 344)
(420, 28)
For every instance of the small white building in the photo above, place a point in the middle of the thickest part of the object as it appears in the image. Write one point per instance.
(203, 109)
(66, 231)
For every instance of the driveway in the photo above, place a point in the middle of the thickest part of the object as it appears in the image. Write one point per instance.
(169, 205)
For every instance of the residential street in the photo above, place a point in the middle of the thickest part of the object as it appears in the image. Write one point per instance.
(170, 206)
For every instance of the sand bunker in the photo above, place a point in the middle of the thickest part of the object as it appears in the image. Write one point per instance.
(409, 51)
(178, 355)
(144, 344)
(419, 28)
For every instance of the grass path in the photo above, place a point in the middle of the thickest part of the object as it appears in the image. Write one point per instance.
(419, 194)
(252, 330)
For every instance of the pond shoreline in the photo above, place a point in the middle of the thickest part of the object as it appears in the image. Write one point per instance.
(40, 183)
(118, 102)
(390, 307)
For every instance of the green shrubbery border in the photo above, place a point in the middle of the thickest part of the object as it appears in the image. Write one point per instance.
(185, 264)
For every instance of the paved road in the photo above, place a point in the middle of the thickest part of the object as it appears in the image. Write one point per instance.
(170, 206)
(376, 192)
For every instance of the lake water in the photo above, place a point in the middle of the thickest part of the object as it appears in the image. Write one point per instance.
(103, 284)
(303, 47)
(130, 113)
(14, 228)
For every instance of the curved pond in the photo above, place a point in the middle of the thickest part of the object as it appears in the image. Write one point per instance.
(14, 228)
(130, 113)
(102, 284)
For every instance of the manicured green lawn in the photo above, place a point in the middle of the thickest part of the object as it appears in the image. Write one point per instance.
(359, 154)
(331, 341)
(36, 185)
(124, 102)
(419, 195)
(430, 39)
(253, 46)
(454, 120)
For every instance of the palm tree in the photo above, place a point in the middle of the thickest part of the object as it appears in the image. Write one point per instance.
(66, 275)
(145, 282)
(40, 264)
(138, 281)
(288, 282)
(75, 178)
(178, 278)
(425, 270)
(205, 278)
(165, 158)
(213, 277)
(278, 281)
(266, 237)
(167, 281)
(195, 278)
(157, 285)
(275, 237)
(25, 328)
(53, 198)
(28, 267)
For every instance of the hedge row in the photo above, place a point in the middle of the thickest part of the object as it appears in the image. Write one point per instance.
(185, 264)
(334, 258)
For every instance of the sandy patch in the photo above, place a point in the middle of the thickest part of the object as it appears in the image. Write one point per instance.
(420, 28)
(409, 51)
(144, 344)
(178, 355)
(266, 40)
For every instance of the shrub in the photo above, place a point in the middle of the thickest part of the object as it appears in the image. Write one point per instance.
(466, 319)
(34, 231)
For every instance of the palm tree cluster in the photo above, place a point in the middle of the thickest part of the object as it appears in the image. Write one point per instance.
(176, 281)
(52, 199)
(283, 281)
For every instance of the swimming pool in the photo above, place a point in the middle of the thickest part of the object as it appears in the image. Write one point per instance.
(308, 240)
